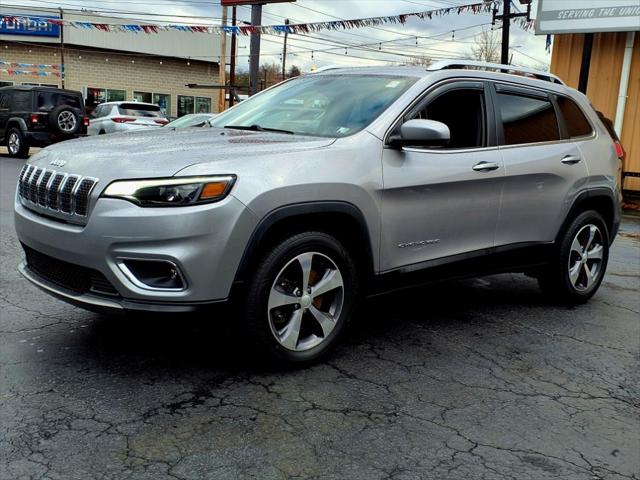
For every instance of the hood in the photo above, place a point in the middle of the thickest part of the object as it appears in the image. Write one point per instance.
(163, 153)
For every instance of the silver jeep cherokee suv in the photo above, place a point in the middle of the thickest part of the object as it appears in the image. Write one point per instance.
(326, 187)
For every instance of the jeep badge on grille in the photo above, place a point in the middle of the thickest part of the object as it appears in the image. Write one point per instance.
(58, 163)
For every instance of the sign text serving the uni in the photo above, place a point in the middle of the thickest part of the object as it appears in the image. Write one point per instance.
(585, 16)
(31, 26)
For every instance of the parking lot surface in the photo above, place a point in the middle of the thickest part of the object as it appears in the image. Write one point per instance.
(476, 379)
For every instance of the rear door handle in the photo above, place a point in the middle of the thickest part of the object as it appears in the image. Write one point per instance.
(570, 159)
(485, 166)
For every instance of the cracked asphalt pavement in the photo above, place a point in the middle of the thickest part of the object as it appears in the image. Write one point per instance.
(475, 379)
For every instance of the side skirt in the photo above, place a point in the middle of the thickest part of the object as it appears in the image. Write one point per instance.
(521, 258)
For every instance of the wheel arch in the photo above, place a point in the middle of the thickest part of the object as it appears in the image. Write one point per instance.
(343, 220)
(16, 122)
(603, 201)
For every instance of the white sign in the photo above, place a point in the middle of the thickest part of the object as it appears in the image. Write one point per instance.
(583, 16)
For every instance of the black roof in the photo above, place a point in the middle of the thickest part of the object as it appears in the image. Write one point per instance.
(29, 88)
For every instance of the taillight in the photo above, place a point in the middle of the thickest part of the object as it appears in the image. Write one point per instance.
(35, 118)
(85, 121)
(619, 150)
(122, 119)
(162, 121)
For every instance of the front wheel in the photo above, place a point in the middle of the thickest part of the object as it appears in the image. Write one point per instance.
(301, 297)
(17, 144)
(578, 266)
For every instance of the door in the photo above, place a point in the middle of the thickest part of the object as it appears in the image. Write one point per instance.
(442, 202)
(544, 170)
(4, 114)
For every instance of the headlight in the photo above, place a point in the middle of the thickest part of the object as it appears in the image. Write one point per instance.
(172, 192)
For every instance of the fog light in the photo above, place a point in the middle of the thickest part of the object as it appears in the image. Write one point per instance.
(151, 274)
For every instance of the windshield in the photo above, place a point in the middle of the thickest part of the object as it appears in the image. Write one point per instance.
(318, 105)
(139, 110)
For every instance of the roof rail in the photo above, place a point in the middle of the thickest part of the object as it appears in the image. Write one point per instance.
(447, 64)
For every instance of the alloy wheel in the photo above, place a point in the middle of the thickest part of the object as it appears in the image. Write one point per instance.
(14, 143)
(585, 257)
(67, 121)
(305, 301)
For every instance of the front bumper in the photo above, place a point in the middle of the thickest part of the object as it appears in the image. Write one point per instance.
(205, 242)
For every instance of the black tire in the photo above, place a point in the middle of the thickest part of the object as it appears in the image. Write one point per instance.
(65, 120)
(21, 150)
(259, 321)
(556, 280)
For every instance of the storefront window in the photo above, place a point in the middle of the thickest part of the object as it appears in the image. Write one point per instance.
(203, 105)
(164, 102)
(144, 97)
(101, 95)
(6, 84)
(185, 105)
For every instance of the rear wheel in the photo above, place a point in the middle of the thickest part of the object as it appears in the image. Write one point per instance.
(578, 266)
(301, 297)
(17, 144)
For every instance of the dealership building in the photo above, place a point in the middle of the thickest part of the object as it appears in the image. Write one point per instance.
(110, 66)
(596, 48)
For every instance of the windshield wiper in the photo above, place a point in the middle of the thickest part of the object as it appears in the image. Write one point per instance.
(258, 128)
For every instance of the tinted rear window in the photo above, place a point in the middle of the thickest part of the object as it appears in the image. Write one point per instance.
(527, 119)
(574, 119)
(20, 101)
(50, 100)
(137, 110)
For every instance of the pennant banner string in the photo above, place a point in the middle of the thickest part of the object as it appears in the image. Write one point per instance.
(293, 28)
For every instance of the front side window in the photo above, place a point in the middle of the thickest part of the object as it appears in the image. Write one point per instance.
(575, 121)
(527, 119)
(322, 105)
(462, 110)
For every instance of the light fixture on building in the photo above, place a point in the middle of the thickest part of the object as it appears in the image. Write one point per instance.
(79, 57)
(189, 62)
(133, 61)
(106, 59)
(160, 62)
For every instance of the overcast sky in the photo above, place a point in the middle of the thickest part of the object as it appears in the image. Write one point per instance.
(528, 49)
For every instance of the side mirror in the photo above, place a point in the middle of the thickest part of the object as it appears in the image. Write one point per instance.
(422, 133)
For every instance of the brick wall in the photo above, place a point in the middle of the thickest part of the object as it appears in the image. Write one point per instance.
(122, 72)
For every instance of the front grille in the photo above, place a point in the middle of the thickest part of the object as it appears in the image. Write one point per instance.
(67, 275)
(55, 191)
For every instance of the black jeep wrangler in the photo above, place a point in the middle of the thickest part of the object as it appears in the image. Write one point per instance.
(39, 116)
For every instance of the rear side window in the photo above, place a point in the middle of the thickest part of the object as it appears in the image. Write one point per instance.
(21, 101)
(527, 119)
(46, 101)
(137, 110)
(574, 119)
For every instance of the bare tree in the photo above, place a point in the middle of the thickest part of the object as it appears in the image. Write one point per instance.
(419, 61)
(487, 47)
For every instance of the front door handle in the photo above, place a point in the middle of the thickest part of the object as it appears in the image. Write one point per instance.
(570, 159)
(485, 166)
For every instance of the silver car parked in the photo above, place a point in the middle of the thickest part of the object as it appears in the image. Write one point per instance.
(115, 117)
(325, 188)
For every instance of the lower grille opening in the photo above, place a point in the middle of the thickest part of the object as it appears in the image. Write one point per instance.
(67, 275)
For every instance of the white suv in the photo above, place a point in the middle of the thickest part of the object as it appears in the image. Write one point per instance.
(115, 117)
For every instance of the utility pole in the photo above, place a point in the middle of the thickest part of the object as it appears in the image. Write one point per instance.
(506, 24)
(284, 52)
(222, 65)
(254, 63)
(62, 66)
(232, 68)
